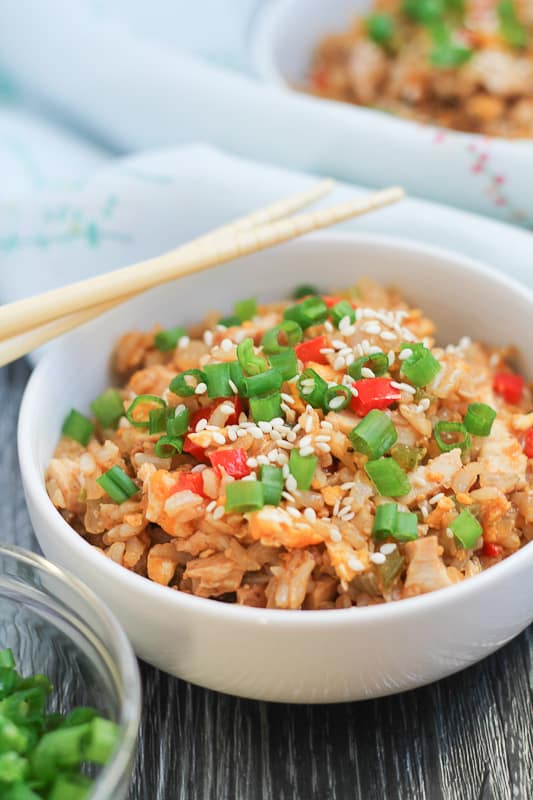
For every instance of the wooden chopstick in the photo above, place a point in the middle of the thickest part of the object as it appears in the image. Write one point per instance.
(17, 318)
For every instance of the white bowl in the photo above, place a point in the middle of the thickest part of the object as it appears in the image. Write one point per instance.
(463, 169)
(309, 656)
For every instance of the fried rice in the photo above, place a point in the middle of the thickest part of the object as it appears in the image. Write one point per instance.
(463, 65)
(366, 466)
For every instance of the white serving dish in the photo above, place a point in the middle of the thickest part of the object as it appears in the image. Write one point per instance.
(466, 170)
(311, 656)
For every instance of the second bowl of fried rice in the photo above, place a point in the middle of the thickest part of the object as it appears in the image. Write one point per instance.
(307, 476)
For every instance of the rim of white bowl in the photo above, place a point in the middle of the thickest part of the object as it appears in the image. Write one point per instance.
(124, 661)
(34, 485)
(263, 35)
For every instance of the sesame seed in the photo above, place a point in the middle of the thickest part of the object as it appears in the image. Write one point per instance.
(201, 388)
(285, 445)
(218, 513)
(293, 511)
(232, 386)
(262, 459)
(199, 468)
(347, 517)
(305, 441)
(288, 398)
(306, 451)
(219, 438)
(387, 548)
(355, 564)
(338, 344)
(273, 455)
(367, 373)
(290, 482)
(327, 425)
(425, 403)
(241, 433)
(435, 499)
(285, 408)
(310, 514)
(277, 422)
(251, 462)
(226, 345)
(275, 436)
(266, 427)
(285, 471)
(354, 391)
(336, 507)
(323, 447)
(339, 363)
(208, 338)
(449, 533)
(308, 424)
(200, 425)
(327, 350)
(372, 327)
(257, 433)
(328, 326)
(227, 408)
(377, 558)
(251, 477)
(404, 354)
(183, 342)
(291, 436)
(335, 534)
(403, 387)
(388, 336)
(348, 485)
(323, 437)
(211, 506)
(391, 357)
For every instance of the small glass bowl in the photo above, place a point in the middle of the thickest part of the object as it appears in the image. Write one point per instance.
(56, 626)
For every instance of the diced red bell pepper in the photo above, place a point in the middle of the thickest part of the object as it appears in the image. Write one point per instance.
(492, 550)
(319, 79)
(509, 386)
(528, 443)
(331, 300)
(192, 481)
(232, 460)
(206, 411)
(310, 350)
(194, 450)
(374, 393)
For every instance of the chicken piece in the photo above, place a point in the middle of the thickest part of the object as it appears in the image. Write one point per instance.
(171, 509)
(288, 586)
(276, 527)
(162, 562)
(346, 561)
(426, 570)
(213, 576)
(502, 461)
(430, 478)
(63, 484)
(152, 380)
(500, 73)
(367, 70)
(131, 350)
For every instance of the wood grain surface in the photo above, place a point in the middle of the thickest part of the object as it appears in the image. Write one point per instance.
(468, 737)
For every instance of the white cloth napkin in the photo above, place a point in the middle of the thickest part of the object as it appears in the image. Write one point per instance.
(120, 70)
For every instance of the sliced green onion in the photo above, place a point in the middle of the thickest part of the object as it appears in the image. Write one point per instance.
(406, 527)
(157, 420)
(336, 398)
(168, 446)
(302, 468)
(479, 418)
(77, 427)
(108, 408)
(237, 378)
(304, 291)
(184, 384)
(245, 309)
(341, 310)
(263, 409)
(466, 529)
(286, 334)
(450, 435)
(217, 377)
(168, 340)
(68, 787)
(408, 457)
(377, 362)
(140, 401)
(511, 28)
(385, 521)
(285, 362)
(312, 388)
(272, 479)
(178, 422)
(388, 477)
(391, 569)
(7, 659)
(311, 311)
(101, 742)
(244, 496)
(380, 28)
(229, 322)
(264, 383)
(374, 435)
(421, 366)
(251, 363)
(117, 484)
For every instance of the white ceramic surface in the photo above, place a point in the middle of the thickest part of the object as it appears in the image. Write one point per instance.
(312, 656)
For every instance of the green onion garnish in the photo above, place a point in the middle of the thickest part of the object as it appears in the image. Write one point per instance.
(423, 11)
(406, 527)
(312, 388)
(264, 383)
(157, 420)
(450, 435)
(251, 363)
(374, 435)
(388, 477)
(184, 384)
(511, 28)
(108, 408)
(286, 334)
(237, 378)
(263, 409)
(117, 484)
(380, 28)
(466, 529)
(285, 362)
(336, 398)
(304, 291)
(341, 310)
(168, 340)
(377, 362)
(311, 311)
(408, 457)
(421, 366)
(77, 427)
(168, 446)
(302, 468)
(479, 418)
(177, 422)
(385, 521)
(141, 419)
(272, 479)
(229, 322)
(245, 309)
(217, 377)
(244, 496)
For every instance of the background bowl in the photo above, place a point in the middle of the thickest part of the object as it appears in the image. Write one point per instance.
(312, 656)
(56, 626)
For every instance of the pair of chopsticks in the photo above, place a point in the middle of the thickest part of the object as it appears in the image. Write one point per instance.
(30, 323)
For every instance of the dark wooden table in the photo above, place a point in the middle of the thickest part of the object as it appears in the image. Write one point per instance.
(469, 736)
